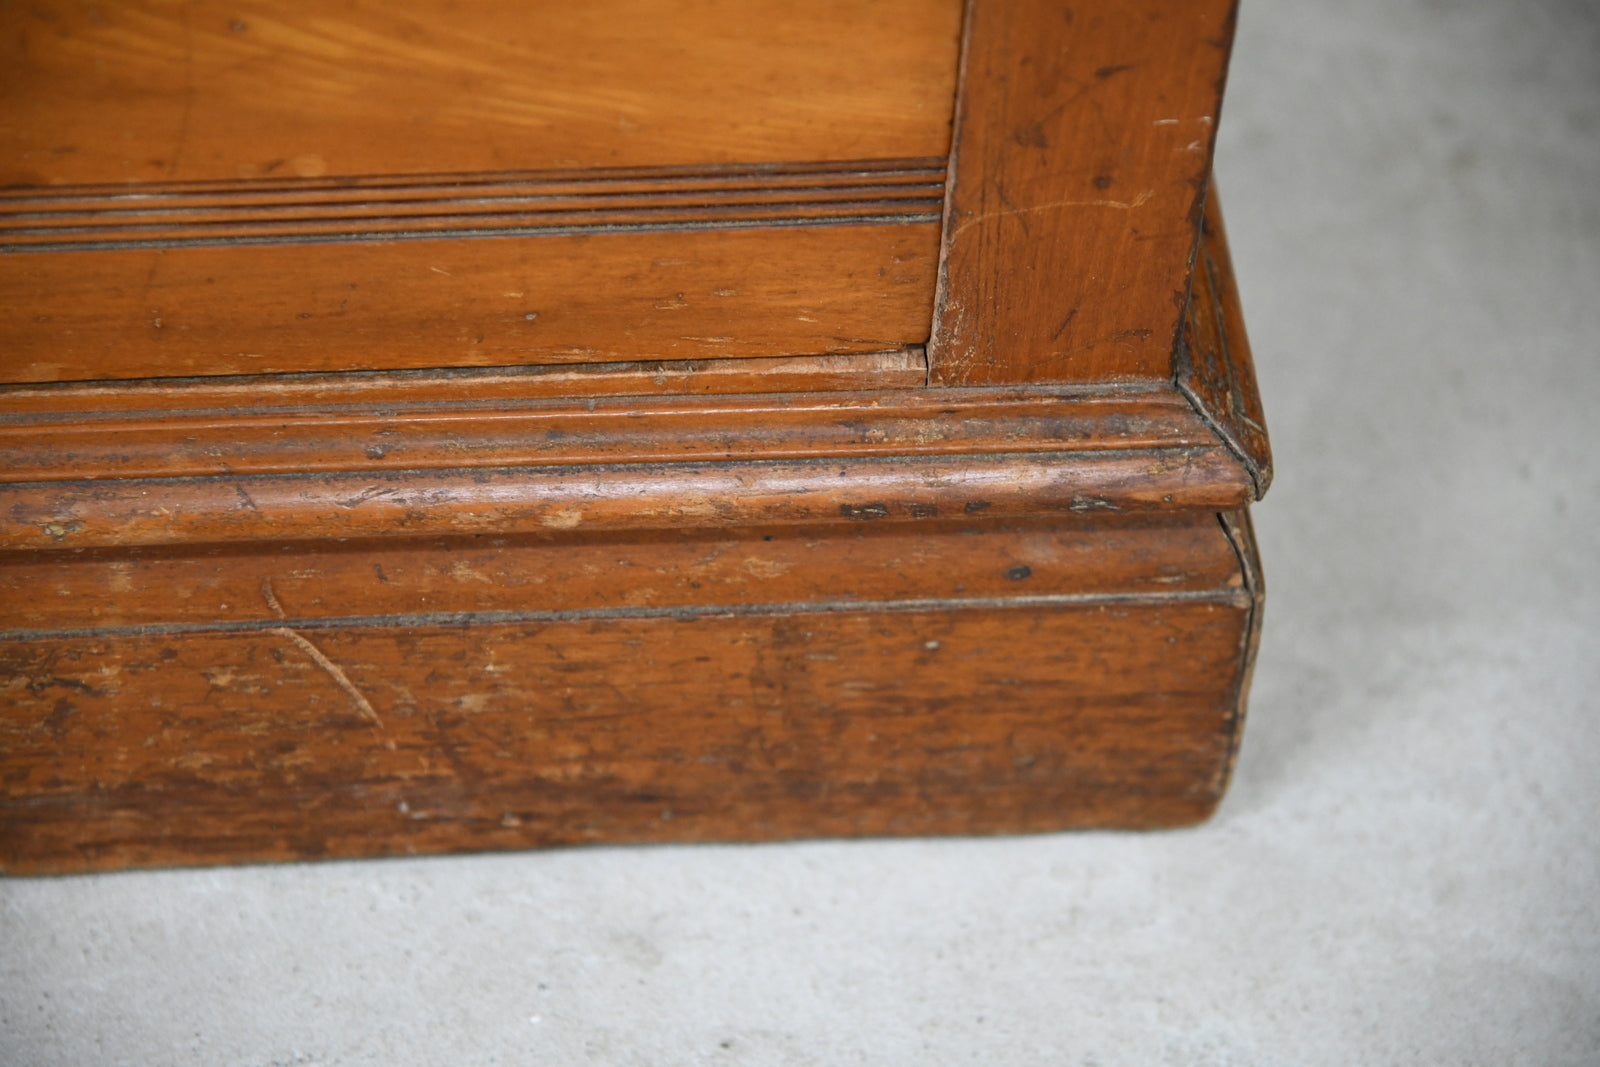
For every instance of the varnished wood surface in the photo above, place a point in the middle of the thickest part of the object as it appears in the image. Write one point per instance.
(455, 505)
(1083, 144)
(144, 91)
(384, 305)
(973, 707)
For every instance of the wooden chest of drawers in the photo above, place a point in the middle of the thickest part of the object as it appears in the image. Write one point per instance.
(441, 426)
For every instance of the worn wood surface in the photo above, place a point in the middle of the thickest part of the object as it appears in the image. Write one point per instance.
(569, 467)
(1083, 143)
(132, 511)
(999, 679)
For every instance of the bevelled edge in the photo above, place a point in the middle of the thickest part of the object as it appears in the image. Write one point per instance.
(167, 437)
(1214, 369)
(343, 505)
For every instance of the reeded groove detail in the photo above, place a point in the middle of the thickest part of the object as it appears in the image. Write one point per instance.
(511, 204)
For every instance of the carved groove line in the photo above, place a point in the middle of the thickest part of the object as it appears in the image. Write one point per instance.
(678, 612)
(522, 204)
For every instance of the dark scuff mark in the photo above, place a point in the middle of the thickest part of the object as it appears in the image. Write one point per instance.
(1030, 135)
(56, 722)
(1065, 323)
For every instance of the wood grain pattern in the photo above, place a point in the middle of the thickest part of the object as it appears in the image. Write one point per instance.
(1083, 143)
(150, 91)
(955, 713)
(383, 305)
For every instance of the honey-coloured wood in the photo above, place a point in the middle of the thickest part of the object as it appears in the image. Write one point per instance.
(627, 296)
(142, 91)
(281, 186)
(1083, 143)
(614, 422)
(302, 735)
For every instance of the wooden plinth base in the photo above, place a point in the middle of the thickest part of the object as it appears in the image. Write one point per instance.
(369, 699)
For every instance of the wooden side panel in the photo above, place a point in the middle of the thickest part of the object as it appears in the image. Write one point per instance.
(150, 90)
(975, 696)
(1083, 140)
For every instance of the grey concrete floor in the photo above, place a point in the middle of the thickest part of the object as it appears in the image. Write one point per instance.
(1407, 869)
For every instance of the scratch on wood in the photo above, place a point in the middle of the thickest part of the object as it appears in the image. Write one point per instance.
(318, 657)
(1124, 205)
(370, 493)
